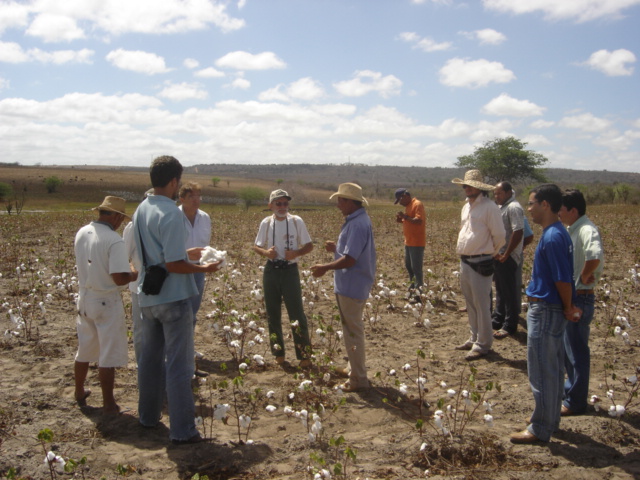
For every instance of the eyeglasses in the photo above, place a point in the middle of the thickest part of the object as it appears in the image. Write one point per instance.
(282, 204)
(532, 203)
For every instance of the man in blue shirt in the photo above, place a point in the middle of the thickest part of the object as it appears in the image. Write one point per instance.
(355, 268)
(551, 295)
(166, 344)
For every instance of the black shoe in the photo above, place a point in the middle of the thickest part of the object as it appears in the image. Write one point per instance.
(201, 374)
(189, 441)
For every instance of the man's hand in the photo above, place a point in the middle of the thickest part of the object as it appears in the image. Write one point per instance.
(290, 255)
(587, 279)
(194, 253)
(212, 267)
(399, 217)
(330, 246)
(573, 314)
(318, 270)
(501, 257)
(271, 253)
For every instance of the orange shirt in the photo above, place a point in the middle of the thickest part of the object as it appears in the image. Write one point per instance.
(415, 234)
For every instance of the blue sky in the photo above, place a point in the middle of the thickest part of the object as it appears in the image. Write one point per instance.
(379, 82)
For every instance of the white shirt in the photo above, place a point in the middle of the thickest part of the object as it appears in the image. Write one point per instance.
(481, 229)
(132, 251)
(199, 232)
(298, 236)
(99, 252)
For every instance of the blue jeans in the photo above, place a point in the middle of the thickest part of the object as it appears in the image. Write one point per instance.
(166, 342)
(545, 363)
(413, 260)
(196, 300)
(577, 358)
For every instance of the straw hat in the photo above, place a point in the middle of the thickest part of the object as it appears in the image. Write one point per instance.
(350, 191)
(113, 204)
(474, 178)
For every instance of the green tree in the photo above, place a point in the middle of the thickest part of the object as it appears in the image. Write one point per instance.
(248, 195)
(505, 159)
(52, 183)
(215, 181)
(5, 191)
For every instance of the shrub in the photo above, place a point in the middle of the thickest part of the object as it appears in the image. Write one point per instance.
(52, 183)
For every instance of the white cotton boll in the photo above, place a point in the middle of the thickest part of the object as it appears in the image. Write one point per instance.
(617, 331)
(211, 255)
(258, 359)
(610, 394)
(326, 377)
(392, 372)
(271, 394)
(220, 411)
(307, 384)
(198, 421)
(403, 388)
(426, 323)
(487, 406)
(451, 392)
(288, 411)
(632, 379)
(406, 367)
(270, 408)
(620, 410)
(244, 421)
(488, 420)
(423, 447)
(443, 384)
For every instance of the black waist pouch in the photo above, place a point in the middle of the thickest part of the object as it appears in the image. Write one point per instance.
(154, 277)
(484, 267)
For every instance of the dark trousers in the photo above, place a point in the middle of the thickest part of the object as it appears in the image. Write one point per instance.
(506, 311)
(284, 284)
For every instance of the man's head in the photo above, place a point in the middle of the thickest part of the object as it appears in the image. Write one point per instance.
(164, 169)
(403, 197)
(190, 196)
(112, 211)
(573, 206)
(279, 203)
(544, 203)
(350, 198)
(502, 192)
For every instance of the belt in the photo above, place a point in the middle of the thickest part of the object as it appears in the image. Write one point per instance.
(534, 299)
(282, 265)
(585, 292)
(476, 256)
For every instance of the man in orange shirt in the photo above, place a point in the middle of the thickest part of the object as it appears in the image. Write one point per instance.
(413, 222)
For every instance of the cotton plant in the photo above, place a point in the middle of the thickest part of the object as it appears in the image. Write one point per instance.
(243, 336)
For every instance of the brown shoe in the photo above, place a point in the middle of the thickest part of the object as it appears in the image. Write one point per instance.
(474, 355)
(465, 346)
(341, 372)
(566, 412)
(500, 334)
(524, 437)
(279, 360)
(305, 363)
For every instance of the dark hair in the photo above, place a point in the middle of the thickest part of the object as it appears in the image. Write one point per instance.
(572, 198)
(550, 193)
(506, 186)
(164, 169)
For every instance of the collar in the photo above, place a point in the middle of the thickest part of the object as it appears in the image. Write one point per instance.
(104, 223)
(583, 220)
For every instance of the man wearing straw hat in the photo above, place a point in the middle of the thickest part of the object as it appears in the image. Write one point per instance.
(103, 267)
(355, 267)
(481, 236)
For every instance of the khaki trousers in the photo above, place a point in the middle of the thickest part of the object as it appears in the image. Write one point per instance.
(353, 332)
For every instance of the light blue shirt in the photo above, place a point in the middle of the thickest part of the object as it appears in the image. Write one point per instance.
(163, 232)
(356, 241)
(586, 246)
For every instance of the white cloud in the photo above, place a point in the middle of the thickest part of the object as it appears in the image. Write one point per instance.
(579, 10)
(209, 72)
(11, 52)
(425, 44)
(486, 36)
(13, 15)
(241, 4)
(183, 91)
(585, 122)
(459, 72)
(117, 17)
(366, 81)
(4, 83)
(613, 64)
(55, 28)
(303, 89)
(540, 124)
(240, 84)
(191, 63)
(240, 60)
(508, 106)
(137, 61)
(536, 140)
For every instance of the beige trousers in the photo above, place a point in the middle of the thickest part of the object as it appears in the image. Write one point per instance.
(353, 332)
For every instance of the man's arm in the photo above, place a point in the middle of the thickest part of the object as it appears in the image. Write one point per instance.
(586, 276)
(123, 278)
(515, 239)
(293, 254)
(571, 312)
(343, 262)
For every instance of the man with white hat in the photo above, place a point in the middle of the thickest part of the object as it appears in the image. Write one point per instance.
(282, 239)
(481, 236)
(355, 268)
(103, 267)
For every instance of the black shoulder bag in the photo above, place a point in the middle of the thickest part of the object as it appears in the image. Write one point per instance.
(154, 275)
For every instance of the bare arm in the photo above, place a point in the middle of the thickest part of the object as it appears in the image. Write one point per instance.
(513, 243)
(182, 266)
(123, 278)
(587, 276)
(571, 312)
(343, 262)
(269, 253)
(293, 254)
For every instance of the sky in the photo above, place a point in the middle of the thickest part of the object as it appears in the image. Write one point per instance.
(376, 82)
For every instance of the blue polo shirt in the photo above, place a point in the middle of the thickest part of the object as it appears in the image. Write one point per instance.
(164, 234)
(553, 262)
(356, 240)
